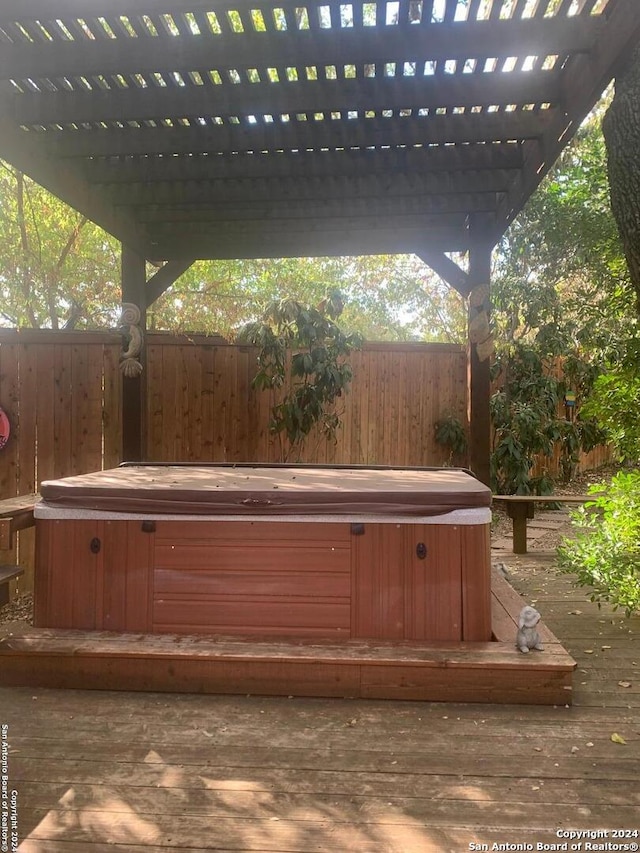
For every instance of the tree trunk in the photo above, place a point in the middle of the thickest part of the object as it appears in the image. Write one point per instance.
(621, 128)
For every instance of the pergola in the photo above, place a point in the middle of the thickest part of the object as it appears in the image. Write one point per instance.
(194, 129)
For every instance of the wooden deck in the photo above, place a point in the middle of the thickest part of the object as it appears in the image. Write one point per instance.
(99, 771)
(462, 672)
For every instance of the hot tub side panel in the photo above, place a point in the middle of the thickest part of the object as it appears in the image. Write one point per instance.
(252, 578)
(300, 579)
(93, 575)
(406, 582)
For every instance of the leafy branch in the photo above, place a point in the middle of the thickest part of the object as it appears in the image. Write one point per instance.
(302, 350)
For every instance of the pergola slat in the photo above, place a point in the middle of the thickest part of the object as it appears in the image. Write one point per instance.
(335, 208)
(381, 171)
(439, 42)
(498, 158)
(371, 94)
(199, 190)
(284, 136)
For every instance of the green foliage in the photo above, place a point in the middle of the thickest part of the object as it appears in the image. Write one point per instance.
(615, 402)
(528, 420)
(57, 269)
(605, 553)
(561, 292)
(387, 297)
(451, 434)
(302, 348)
(561, 269)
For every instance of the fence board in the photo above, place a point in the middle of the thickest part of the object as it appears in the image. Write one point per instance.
(45, 456)
(207, 381)
(112, 405)
(9, 400)
(93, 403)
(242, 451)
(220, 374)
(155, 400)
(62, 412)
(27, 441)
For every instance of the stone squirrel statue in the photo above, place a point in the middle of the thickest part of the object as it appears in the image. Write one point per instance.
(528, 637)
(130, 326)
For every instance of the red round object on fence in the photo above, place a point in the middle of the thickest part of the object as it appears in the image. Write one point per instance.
(5, 428)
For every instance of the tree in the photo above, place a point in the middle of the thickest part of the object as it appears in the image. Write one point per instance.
(57, 269)
(387, 297)
(621, 127)
(303, 350)
(561, 297)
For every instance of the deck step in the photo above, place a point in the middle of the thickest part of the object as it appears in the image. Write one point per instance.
(449, 672)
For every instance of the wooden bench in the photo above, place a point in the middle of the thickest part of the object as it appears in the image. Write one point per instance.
(522, 507)
(15, 514)
(7, 573)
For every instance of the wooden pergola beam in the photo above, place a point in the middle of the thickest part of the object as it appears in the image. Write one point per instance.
(138, 291)
(256, 99)
(448, 271)
(217, 211)
(503, 129)
(298, 48)
(165, 277)
(198, 190)
(133, 285)
(254, 240)
(479, 369)
(369, 167)
(296, 226)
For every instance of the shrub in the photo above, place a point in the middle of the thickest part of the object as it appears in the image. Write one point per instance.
(303, 351)
(605, 553)
(451, 434)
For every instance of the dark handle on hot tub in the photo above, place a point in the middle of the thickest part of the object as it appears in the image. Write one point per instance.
(95, 545)
(421, 551)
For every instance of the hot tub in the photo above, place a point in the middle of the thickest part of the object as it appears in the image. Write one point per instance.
(267, 551)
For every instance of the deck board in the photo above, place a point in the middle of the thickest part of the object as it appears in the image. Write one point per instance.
(160, 772)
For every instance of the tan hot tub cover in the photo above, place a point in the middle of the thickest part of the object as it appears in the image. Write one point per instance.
(269, 490)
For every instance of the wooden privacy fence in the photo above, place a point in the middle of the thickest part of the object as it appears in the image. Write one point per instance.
(201, 407)
(62, 392)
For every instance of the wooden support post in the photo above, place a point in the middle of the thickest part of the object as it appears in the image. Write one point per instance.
(134, 389)
(479, 362)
